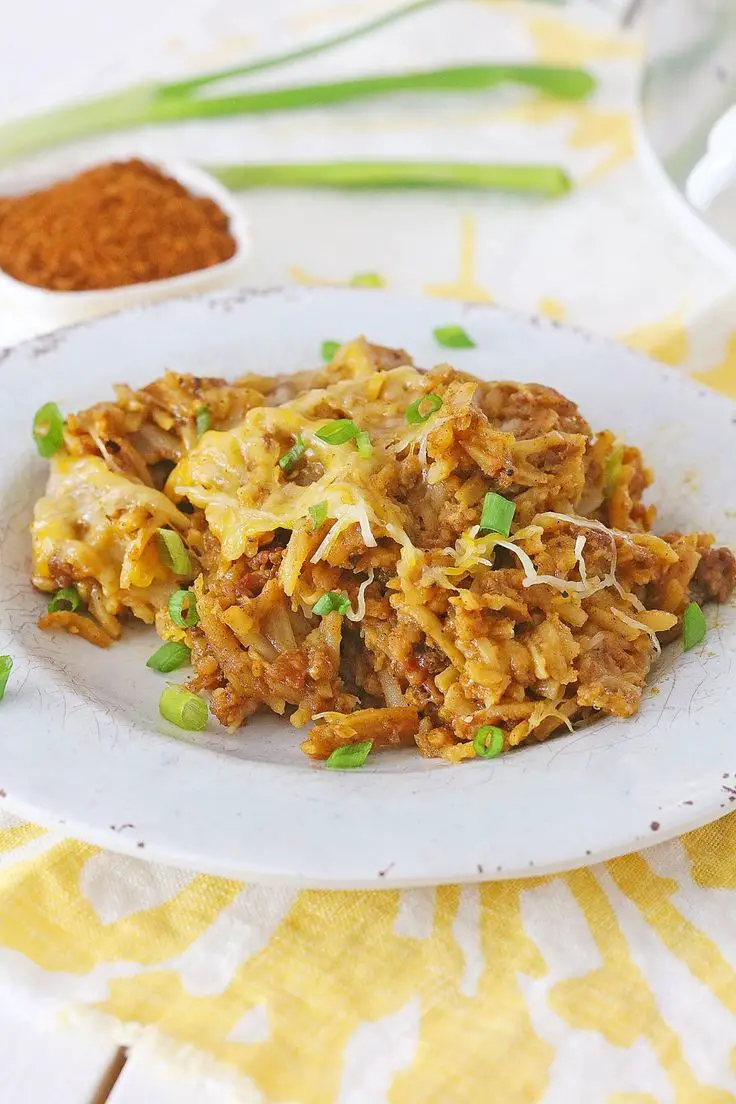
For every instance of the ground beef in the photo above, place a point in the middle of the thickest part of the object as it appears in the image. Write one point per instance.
(716, 575)
(260, 568)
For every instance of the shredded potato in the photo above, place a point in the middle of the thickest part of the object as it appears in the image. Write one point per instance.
(430, 627)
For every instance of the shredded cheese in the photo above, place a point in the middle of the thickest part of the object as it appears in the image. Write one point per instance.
(359, 613)
(346, 516)
(633, 624)
(579, 558)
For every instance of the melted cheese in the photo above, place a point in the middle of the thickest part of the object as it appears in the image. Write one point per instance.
(84, 522)
(235, 478)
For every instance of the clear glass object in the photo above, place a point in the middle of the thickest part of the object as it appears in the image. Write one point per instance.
(688, 85)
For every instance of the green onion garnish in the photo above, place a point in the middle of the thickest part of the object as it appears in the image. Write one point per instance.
(350, 756)
(497, 514)
(338, 432)
(421, 410)
(318, 514)
(368, 279)
(363, 444)
(203, 420)
(174, 552)
(488, 742)
(183, 708)
(693, 626)
(330, 601)
(169, 657)
(65, 599)
(140, 104)
(6, 666)
(291, 458)
(183, 609)
(612, 469)
(329, 348)
(453, 337)
(48, 429)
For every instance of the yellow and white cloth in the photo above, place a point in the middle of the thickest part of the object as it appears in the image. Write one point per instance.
(613, 985)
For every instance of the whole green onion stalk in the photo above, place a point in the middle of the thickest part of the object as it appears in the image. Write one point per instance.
(148, 104)
(156, 103)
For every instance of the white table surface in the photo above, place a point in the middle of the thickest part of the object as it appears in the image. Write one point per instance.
(45, 1062)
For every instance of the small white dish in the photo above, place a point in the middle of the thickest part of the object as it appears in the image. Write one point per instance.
(82, 744)
(58, 308)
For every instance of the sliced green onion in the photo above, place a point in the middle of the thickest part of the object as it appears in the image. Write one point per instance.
(612, 469)
(174, 552)
(421, 410)
(497, 514)
(6, 666)
(203, 420)
(169, 657)
(291, 458)
(318, 514)
(368, 280)
(65, 599)
(330, 601)
(183, 609)
(48, 429)
(329, 348)
(338, 432)
(183, 708)
(453, 337)
(350, 756)
(363, 444)
(488, 742)
(693, 626)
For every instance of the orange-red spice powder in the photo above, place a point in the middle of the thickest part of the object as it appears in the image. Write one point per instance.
(116, 224)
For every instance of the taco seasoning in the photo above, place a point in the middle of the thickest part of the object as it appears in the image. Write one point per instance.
(116, 224)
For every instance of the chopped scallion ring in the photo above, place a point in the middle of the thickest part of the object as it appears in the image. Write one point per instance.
(174, 552)
(329, 348)
(183, 708)
(421, 410)
(169, 657)
(350, 756)
(48, 429)
(203, 420)
(318, 514)
(65, 599)
(183, 609)
(330, 601)
(368, 279)
(338, 432)
(291, 458)
(694, 626)
(6, 666)
(453, 337)
(488, 742)
(363, 444)
(497, 514)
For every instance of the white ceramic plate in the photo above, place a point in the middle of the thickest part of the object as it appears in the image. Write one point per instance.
(82, 745)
